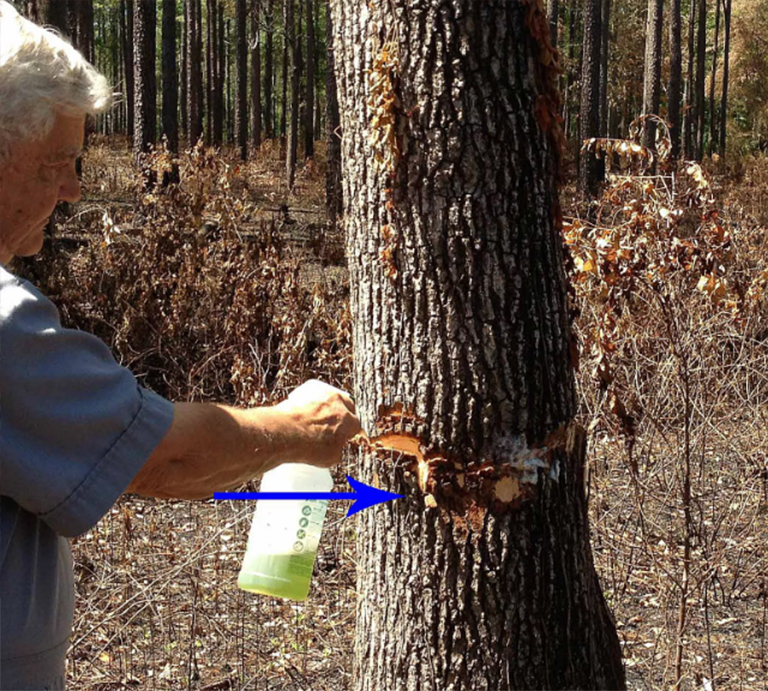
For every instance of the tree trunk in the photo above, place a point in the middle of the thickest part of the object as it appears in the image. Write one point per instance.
(255, 75)
(54, 13)
(481, 578)
(194, 74)
(126, 19)
(567, 109)
(145, 118)
(701, 77)
(210, 68)
(652, 69)
(553, 7)
(605, 51)
(241, 70)
(220, 62)
(269, 121)
(690, 106)
(309, 110)
(292, 42)
(334, 197)
(726, 61)
(589, 166)
(712, 107)
(675, 76)
(284, 73)
(170, 86)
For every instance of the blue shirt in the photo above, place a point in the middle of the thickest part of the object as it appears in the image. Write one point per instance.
(75, 429)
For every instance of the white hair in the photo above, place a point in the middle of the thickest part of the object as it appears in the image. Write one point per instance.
(41, 74)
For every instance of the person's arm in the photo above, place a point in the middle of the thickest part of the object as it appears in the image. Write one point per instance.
(211, 448)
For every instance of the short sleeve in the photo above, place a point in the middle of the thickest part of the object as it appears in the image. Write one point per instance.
(75, 427)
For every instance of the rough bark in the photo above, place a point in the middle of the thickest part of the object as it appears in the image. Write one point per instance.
(674, 91)
(481, 578)
(652, 68)
(712, 141)
(589, 119)
(334, 197)
(145, 117)
(170, 85)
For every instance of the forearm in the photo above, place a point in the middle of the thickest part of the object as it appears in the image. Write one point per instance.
(212, 448)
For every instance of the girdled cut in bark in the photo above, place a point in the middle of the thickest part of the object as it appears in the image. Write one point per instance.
(482, 577)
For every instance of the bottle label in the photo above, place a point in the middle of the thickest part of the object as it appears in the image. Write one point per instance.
(292, 527)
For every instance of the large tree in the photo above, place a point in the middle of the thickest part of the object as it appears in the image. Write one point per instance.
(481, 578)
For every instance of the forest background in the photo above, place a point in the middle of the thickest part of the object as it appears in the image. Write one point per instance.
(208, 252)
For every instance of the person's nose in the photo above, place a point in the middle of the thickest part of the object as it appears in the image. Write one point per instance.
(69, 191)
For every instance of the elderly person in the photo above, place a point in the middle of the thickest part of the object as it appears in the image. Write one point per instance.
(76, 430)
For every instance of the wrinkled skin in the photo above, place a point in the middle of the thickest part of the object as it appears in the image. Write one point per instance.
(37, 175)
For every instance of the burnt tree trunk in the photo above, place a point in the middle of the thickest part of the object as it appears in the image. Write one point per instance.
(652, 70)
(674, 91)
(195, 73)
(481, 578)
(589, 119)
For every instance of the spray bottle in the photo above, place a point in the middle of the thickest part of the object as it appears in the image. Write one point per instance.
(284, 537)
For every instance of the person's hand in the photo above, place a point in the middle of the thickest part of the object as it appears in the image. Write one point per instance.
(324, 418)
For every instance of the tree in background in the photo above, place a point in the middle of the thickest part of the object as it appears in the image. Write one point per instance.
(334, 197)
(309, 110)
(674, 90)
(589, 166)
(241, 70)
(256, 74)
(652, 72)
(170, 86)
(482, 577)
(293, 46)
(145, 118)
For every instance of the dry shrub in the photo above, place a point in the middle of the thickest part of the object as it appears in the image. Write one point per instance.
(202, 300)
(670, 290)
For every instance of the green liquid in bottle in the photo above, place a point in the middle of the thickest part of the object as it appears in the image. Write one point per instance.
(280, 575)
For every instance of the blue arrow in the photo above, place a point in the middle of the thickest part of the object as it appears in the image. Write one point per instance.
(364, 497)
